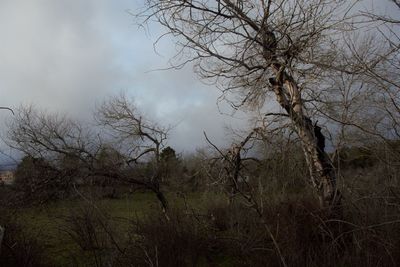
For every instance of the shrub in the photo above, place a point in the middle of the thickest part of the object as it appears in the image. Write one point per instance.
(40, 182)
(91, 229)
(19, 248)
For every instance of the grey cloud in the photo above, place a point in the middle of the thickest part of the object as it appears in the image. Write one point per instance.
(64, 56)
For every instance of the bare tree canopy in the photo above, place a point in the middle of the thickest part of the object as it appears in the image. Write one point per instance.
(66, 143)
(256, 49)
(126, 124)
(142, 137)
(44, 135)
(242, 44)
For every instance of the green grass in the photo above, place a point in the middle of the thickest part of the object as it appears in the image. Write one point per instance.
(46, 222)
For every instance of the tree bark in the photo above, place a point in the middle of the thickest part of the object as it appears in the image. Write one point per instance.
(162, 199)
(322, 173)
(2, 230)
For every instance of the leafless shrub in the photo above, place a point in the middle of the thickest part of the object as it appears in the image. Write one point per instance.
(93, 231)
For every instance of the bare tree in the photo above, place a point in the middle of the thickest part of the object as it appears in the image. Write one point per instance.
(48, 136)
(70, 147)
(141, 137)
(47, 140)
(234, 163)
(255, 49)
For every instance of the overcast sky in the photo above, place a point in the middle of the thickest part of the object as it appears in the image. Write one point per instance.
(66, 56)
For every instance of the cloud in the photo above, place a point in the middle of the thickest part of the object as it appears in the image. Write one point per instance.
(52, 55)
(66, 56)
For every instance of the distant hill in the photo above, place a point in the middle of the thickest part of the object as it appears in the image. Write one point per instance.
(8, 166)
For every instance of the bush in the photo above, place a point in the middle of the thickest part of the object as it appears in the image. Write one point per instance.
(180, 241)
(39, 182)
(91, 229)
(19, 248)
(233, 235)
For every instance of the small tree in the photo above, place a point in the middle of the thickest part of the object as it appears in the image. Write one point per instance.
(40, 182)
(169, 163)
(110, 158)
(168, 154)
(140, 137)
(56, 150)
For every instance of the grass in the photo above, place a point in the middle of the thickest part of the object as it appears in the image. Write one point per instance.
(46, 223)
(205, 231)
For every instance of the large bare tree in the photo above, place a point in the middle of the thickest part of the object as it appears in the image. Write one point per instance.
(68, 145)
(261, 48)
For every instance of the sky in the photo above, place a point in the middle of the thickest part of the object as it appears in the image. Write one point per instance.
(67, 56)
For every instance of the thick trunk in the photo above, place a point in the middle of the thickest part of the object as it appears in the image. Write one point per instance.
(322, 174)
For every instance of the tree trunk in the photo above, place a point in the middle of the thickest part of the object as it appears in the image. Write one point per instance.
(155, 187)
(2, 230)
(322, 173)
(163, 200)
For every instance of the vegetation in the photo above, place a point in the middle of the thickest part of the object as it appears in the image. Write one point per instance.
(313, 181)
(207, 226)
